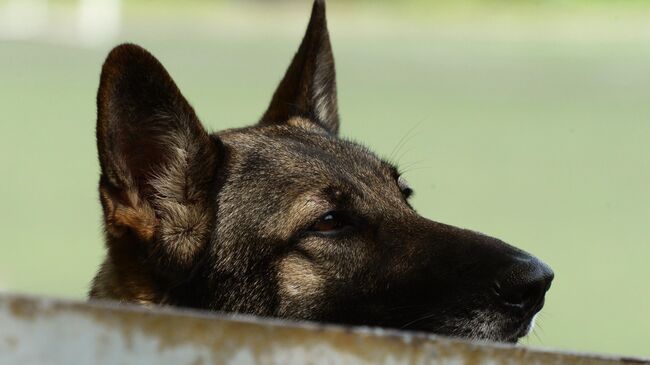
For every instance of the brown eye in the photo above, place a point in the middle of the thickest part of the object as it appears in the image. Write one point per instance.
(330, 222)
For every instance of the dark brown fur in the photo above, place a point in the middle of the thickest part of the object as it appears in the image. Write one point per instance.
(285, 218)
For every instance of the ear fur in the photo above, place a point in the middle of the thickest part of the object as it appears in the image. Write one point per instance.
(157, 161)
(308, 89)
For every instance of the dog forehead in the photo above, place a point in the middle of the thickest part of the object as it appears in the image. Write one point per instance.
(301, 153)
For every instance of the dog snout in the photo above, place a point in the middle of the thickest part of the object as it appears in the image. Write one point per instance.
(523, 284)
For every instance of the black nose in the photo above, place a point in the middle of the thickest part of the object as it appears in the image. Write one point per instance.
(523, 284)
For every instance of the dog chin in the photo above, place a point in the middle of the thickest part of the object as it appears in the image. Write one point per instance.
(526, 329)
(490, 326)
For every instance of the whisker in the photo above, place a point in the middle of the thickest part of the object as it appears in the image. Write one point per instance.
(404, 153)
(536, 335)
(405, 139)
(417, 168)
(431, 315)
(408, 165)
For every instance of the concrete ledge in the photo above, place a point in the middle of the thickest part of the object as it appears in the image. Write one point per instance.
(48, 331)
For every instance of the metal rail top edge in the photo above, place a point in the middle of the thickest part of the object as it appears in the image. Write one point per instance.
(37, 330)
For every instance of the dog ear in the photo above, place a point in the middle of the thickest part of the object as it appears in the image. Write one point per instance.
(157, 161)
(308, 89)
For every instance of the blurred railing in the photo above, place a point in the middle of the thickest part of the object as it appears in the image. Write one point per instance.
(47, 331)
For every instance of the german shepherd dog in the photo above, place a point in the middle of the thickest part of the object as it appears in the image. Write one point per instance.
(284, 218)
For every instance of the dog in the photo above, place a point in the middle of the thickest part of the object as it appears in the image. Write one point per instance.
(284, 218)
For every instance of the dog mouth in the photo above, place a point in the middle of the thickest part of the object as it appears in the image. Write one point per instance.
(488, 326)
(523, 329)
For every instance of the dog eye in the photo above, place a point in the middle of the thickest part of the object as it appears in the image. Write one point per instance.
(330, 222)
(404, 187)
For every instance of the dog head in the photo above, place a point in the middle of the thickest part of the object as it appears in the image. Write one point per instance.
(285, 218)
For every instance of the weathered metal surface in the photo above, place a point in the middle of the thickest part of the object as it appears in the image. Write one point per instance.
(44, 331)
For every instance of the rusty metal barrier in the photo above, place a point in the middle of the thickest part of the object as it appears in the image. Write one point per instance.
(47, 331)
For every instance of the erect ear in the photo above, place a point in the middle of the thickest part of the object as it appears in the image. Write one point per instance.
(308, 90)
(157, 161)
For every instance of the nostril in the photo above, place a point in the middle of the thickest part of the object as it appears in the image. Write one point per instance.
(512, 295)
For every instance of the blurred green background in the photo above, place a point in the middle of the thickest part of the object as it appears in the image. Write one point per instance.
(526, 120)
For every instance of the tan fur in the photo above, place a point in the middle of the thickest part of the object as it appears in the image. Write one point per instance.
(302, 211)
(299, 278)
(135, 215)
(184, 218)
(306, 124)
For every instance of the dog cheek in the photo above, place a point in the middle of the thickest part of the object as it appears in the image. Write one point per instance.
(300, 287)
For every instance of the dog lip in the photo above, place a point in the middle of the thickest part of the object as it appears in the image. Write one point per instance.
(520, 311)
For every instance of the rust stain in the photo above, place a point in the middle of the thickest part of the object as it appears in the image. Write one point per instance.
(23, 308)
(12, 342)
